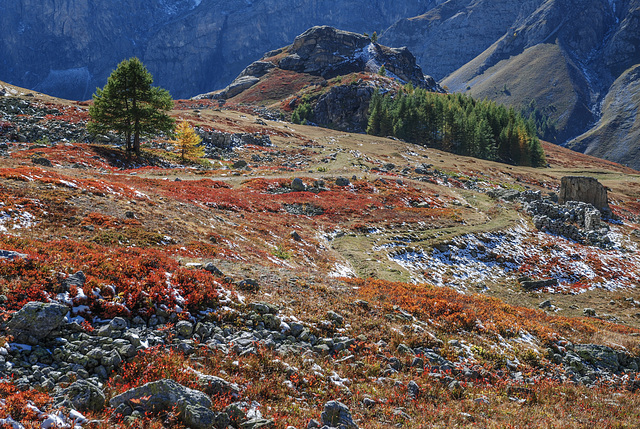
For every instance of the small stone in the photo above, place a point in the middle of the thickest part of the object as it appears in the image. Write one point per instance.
(413, 390)
(589, 312)
(545, 304)
(184, 328)
(342, 181)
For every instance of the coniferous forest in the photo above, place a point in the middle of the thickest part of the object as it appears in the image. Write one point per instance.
(456, 123)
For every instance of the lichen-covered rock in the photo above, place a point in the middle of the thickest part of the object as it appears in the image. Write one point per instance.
(193, 406)
(84, 396)
(37, 319)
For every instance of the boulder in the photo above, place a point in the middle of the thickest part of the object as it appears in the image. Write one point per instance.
(37, 319)
(337, 415)
(584, 189)
(84, 396)
(193, 406)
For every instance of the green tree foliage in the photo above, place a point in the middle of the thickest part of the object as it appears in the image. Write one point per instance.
(542, 119)
(302, 113)
(456, 123)
(129, 105)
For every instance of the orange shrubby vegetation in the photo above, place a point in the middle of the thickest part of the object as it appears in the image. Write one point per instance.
(453, 311)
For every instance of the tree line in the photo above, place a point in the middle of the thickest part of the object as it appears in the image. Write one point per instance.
(456, 123)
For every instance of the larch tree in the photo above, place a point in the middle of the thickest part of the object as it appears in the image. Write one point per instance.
(129, 105)
(187, 141)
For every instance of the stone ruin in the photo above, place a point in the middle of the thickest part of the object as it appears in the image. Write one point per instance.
(584, 189)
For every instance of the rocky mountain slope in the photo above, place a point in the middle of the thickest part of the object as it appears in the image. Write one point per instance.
(561, 53)
(331, 73)
(368, 281)
(69, 47)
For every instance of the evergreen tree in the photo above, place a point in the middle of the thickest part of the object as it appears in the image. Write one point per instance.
(456, 123)
(130, 106)
(188, 142)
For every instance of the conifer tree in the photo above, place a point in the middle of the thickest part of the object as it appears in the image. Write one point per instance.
(130, 106)
(188, 142)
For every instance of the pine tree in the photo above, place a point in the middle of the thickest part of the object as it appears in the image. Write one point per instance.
(188, 142)
(130, 106)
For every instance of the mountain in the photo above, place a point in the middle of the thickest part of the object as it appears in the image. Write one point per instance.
(617, 133)
(331, 73)
(561, 54)
(68, 47)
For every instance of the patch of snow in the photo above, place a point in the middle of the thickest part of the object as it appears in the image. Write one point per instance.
(340, 270)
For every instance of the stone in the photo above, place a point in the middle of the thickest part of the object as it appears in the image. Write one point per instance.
(249, 285)
(85, 396)
(11, 255)
(239, 164)
(213, 386)
(413, 390)
(298, 185)
(504, 194)
(584, 189)
(257, 423)
(589, 312)
(337, 415)
(42, 161)
(184, 328)
(538, 284)
(213, 269)
(37, 319)
(545, 304)
(337, 319)
(342, 181)
(600, 356)
(193, 406)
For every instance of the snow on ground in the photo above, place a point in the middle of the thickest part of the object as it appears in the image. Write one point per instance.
(13, 219)
(474, 259)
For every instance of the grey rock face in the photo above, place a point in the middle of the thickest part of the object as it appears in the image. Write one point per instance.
(337, 415)
(37, 319)
(585, 189)
(77, 44)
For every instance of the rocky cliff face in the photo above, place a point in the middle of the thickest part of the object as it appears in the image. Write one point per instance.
(68, 47)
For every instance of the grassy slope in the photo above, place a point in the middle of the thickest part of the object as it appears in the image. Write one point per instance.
(540, 73)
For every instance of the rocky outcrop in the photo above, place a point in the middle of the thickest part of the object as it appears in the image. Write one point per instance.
(344, 107)
(585, 189)
(328, 52)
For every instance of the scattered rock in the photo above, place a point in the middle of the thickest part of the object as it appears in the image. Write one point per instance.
(342, 181)
(84, 396)
(42, 161)
(11, 255)
(298, 185)
(589, 312)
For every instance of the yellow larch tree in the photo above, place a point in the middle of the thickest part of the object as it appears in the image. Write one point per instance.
(187, 141)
